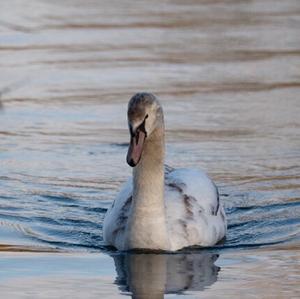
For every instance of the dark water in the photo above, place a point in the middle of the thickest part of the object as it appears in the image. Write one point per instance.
(226, 72)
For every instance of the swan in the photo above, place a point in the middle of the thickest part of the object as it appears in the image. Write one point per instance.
(161, 208)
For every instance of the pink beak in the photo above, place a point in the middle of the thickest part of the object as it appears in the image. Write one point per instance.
(136, 148)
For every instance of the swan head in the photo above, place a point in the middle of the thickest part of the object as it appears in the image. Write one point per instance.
(144, 116)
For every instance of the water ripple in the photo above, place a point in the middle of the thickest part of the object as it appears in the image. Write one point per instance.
(231, 108)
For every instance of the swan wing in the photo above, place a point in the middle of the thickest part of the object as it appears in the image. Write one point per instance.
(115, 220)
(195, 215)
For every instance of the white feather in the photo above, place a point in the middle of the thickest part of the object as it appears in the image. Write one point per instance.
(197, 226)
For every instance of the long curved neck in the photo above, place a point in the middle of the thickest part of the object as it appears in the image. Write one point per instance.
(147, 225)
(148, 175)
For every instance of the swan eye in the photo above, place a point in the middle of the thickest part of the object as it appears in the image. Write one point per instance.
(146, 116)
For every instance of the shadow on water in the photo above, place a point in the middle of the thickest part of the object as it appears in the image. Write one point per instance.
(150, 275)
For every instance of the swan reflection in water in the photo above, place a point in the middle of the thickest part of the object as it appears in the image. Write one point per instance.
(153, 275)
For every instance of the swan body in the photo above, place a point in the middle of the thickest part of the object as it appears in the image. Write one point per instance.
(161, 208)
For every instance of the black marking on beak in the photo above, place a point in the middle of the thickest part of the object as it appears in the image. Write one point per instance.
(131, 163)
(135, 149)
(131, 130)
(141, 127)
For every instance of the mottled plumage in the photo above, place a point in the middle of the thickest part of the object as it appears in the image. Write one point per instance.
(160, 207)
(191, 200)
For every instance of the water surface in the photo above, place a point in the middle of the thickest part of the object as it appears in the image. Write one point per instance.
(227, 74)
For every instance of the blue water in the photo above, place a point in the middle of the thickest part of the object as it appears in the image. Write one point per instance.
(56, 184)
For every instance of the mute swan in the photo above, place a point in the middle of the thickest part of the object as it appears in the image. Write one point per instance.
(161, 208)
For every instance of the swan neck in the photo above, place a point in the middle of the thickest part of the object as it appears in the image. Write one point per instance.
(148, 175)
(147, 226)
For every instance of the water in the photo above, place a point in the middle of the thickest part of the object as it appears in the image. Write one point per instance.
(227, 74)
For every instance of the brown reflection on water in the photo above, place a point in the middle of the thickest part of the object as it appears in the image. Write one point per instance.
(169, 48)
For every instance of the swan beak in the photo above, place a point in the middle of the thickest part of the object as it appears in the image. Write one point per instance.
(136, 148)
